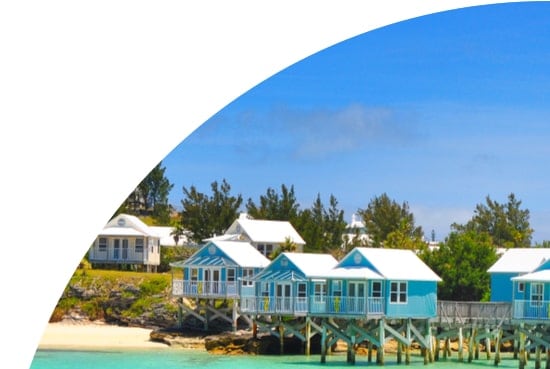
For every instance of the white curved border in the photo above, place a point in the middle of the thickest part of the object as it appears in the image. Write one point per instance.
(83, 86)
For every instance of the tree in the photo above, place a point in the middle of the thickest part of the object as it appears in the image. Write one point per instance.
(334, 225)
(275, 206)
(321, 228)
(462, 261)
(205, 216)
(384, 216)
(287, 246)
(405, 238)
(310, 226)
(150, 197)
(507, 224)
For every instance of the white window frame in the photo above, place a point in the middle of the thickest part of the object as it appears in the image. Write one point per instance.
(102, 244)
(537, 302)
(521, 287)
(248, 273)
(139, 245)
(372, 290)
(337, 287)
(400, 293)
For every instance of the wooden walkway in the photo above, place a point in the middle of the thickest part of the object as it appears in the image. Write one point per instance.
(466, 328)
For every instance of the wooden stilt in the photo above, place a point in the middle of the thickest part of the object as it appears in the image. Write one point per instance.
(498, 342)
(460, 345)
(488, 343)
(235, 315)
(382, 338)
(522, 353)
(471, 341)
(281, 338)
(324, 345)
(537, 357)
(369, 354)
(407, 354)
(399, 352)
(429, 341)
(547, 357)
(308, 336)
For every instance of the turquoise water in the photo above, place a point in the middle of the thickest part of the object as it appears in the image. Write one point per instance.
(182, 359)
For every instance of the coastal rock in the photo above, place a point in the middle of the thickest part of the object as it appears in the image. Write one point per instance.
(178, 339)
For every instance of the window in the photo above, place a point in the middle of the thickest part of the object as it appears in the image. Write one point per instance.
(194, 274)
(265, 250)
(376, 289)
(301, 289)
(537, 292)
(231, 275)
(248, 273)
(521, 287)
(337, 288)
(264, 289)
(102, 244)
(139, 245)
(398, 292)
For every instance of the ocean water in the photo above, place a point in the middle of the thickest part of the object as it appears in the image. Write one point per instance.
(183, 359)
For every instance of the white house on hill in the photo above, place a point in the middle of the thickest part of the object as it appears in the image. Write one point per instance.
(126, 240)
(266, 235)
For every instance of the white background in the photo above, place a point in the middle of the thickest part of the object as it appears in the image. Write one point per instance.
(85, 86)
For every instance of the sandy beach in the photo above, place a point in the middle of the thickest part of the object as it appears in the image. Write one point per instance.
(96, 336)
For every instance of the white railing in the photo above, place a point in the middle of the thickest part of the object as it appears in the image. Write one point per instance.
(314, 305)
(531, 310)
(205, 289)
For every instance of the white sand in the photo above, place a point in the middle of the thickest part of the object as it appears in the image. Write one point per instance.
(96, 336)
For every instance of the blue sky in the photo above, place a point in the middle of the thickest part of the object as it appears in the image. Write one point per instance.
(438, 111)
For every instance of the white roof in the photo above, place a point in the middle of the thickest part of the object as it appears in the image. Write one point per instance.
(126, 225)
(398, 264)
(520, 260)
(166, 238)
(268, 231)
(540, 276)
(312, 265)
(243, 253)
(354, 273)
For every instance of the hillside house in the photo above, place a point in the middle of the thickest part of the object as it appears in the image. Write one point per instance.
(126, 241)
(266, 235)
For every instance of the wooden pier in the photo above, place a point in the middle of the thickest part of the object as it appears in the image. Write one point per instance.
(465, 329)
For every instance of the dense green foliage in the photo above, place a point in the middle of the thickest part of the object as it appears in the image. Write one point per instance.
(384, 217)
(111, 295)
(462, 262)
(274, 205)
(150, 197)
(507, 224)
(204, 215)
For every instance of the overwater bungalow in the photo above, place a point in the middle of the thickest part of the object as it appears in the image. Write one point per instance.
(513, 263)
(531, 294)
(219, 270)
(290, 285)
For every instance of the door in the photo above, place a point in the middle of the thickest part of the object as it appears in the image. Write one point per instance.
(116, 249)
(356, 296)
(212, 281)
(283, 296)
